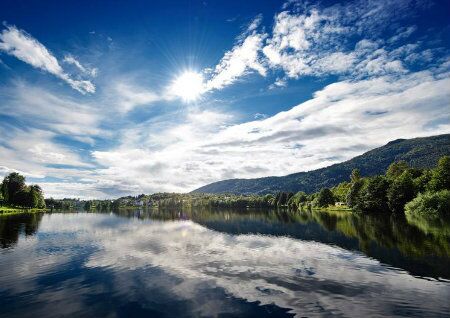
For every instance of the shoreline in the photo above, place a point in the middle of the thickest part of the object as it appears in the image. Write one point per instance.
(6, 210)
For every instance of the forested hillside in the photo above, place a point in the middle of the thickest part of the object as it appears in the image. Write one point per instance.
(417, 152)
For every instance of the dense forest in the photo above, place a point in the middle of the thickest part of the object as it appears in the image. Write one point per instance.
(15, 193)
(418, 153)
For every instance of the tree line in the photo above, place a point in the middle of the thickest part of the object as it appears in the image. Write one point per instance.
(401, 189)
(14, 192)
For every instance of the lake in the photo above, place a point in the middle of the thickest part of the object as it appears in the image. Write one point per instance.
(140, 263)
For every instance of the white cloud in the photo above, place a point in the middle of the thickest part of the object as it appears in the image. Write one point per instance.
(34, 152)
(29, 50)
(181, 151)
(128, 96)
(341, 121)
(37, 107)
(315, 43)
(69, 59)
(313, 40)
(238, 62)
(403, 33)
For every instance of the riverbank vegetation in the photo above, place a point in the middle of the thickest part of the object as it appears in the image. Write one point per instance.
(418, 193)
(16, 196)
(402, 188)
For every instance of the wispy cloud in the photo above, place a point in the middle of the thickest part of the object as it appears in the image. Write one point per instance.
(24, 47)
(128, 96)
(240, 60)
(69, 59)
(37, 107)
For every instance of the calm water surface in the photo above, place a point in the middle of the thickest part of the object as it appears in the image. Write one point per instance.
(227, 264)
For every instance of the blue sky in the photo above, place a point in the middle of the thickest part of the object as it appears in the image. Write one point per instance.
(102, 99)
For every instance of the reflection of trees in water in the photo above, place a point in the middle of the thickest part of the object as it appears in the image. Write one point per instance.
(386, 231)
(390, 239)
(12, 226)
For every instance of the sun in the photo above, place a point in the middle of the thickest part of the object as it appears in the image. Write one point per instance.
(188, 86)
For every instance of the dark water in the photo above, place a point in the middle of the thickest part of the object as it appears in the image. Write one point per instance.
(222, 264)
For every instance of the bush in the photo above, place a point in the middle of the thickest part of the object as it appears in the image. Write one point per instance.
(430, 205)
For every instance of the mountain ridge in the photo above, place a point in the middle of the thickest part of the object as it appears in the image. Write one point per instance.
(421, 152)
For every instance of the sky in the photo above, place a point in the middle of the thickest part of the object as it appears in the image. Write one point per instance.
(101, 99)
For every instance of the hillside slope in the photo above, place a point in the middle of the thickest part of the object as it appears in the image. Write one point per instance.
(418, 152)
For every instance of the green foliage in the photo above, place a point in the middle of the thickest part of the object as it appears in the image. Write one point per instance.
(440, 178)
(297, 200)
(88, 206)
(14, 184)
(396, 169)
(324, 198)
(4, 191)
(282, 198)
(430, 206)
(340, 192)
(401, 191)
(384, 193)
(417, 152)
(270, 199)
(374, 195)
(421, 182)
(355, 175)
(16, 193)
(354, 195)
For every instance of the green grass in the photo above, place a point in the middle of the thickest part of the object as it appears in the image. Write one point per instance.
(334, 208)
(8, 210)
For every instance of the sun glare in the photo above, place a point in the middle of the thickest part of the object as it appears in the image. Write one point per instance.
(188, 86)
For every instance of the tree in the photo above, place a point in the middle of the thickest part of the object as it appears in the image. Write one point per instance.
(35, 191)
(401, 191)
(4, 191)
(324, 198)
(355, 175)
(354, 193)
(1, 197)
(282, 199)
(88, 206)
(440, 178)
(396, 169)
(36, 197)
(23, 198)
(421, 183)
(374, 195)
(297, 200)
(289, 196)
(341, 191)
(269, 199)
(11, 185)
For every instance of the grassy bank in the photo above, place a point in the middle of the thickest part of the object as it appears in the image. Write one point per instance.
(8, 210)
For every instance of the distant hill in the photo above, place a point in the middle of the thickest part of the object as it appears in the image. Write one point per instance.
(418, 152)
